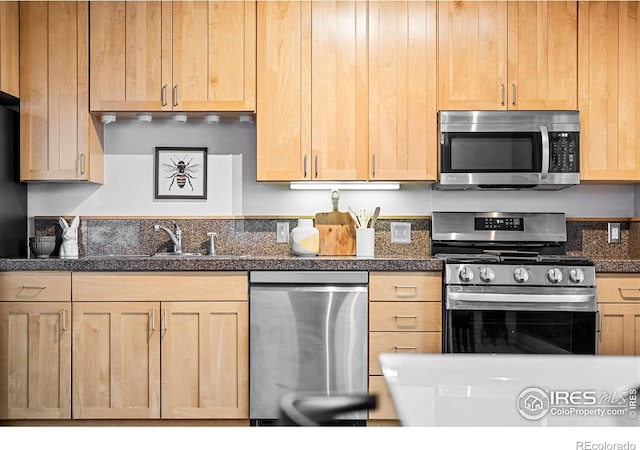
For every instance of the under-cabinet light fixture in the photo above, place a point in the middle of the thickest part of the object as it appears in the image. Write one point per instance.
(212, 119)
(144, 118)
(354, 185)
(179, 118)
(108, 118)
(245, 118)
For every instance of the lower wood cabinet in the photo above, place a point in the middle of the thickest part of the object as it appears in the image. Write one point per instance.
(171, 358)
(35, 345)
(405, 315)
(619, 314)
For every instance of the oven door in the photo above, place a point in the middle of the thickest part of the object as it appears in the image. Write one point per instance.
(520, 320)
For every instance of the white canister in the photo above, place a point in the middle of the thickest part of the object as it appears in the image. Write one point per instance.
(365, 242)
(305, 238)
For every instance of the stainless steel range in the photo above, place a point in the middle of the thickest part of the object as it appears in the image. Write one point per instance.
(509, 286)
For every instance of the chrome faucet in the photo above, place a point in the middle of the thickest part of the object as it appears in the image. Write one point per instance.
(175, 238)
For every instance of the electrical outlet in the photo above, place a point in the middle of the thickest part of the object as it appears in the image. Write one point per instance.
(614, 233)
(282, 232)
(401, 232)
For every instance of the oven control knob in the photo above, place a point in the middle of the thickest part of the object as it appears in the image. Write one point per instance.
(487, 274)
(520, 275)
(576, 275)
(554, 275)
(466, 274)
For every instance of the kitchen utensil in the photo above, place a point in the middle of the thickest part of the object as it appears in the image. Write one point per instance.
(376, 213)
(337, 230)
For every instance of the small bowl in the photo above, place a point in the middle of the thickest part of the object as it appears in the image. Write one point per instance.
(42, 246)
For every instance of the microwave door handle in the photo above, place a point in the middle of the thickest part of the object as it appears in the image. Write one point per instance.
(545, 152)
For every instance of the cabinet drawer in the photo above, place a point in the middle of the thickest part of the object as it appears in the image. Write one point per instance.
(159, 286)
(35, 286)
(405, 286)
(401, 342)
(612, 288)
(405, 316)
(385, 408)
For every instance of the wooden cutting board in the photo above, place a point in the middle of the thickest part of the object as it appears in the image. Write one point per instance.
(337, 231)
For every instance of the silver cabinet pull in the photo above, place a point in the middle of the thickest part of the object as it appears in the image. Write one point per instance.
(406, 316)
(305, 166)
(82, 164)
(513, 87)
(373, 166)
(175, 95)
(164, 95)
(413, 290)
(63, 318)
(31, 286)
(165, 325)
(502, 94)
(153, 319)
(316, 166)
(623, 289)
(411, 347)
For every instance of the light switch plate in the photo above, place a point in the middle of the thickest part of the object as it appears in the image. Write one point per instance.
(282, 232)
(400, 232)
(614, 233)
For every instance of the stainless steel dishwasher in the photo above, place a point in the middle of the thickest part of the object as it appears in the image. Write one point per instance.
(308, 333)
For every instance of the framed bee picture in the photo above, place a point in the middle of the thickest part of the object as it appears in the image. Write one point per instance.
(180, 173)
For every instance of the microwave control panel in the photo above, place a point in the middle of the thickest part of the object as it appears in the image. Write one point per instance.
(564, 152)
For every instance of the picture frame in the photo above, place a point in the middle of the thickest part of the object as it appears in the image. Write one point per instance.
(180, 173)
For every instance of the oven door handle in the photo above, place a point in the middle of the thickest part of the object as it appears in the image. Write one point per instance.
(544, 131)
(520, 298)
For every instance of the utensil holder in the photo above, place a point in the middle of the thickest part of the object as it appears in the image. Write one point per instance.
(365, 242)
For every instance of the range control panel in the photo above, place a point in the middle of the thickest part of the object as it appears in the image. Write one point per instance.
(499, 223)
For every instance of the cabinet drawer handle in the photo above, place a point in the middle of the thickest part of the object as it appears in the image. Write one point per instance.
(31, 286)
(164, 95)
(401, 347)
(513, 87)
(406, 316)
(175, 95)
(623, 289)
(400, 288)
(63, 319)
(153, 319)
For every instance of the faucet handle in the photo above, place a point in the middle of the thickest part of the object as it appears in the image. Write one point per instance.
(212, 245)
(177, 228)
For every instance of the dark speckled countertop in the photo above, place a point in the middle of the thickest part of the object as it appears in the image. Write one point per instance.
(120, 263)
(617, 265)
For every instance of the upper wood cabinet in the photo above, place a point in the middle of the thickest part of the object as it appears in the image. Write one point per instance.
(9, 48)
(59, 140)
(507, 55)
(312, 91)
(346, 91)
(609, 91)
(403, 141)
(173, 56)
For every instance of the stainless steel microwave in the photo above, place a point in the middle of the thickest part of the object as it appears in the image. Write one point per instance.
(509, 150)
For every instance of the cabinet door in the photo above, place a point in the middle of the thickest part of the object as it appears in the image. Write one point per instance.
(619, 328)
(205, 359)
(9, 50)
(130, 67)
(283, 122)
(543, 53)
(116, 360)
(402, 90)
(472, 55)
(609, 91)
(35, 360)
(339, 93)
(59, 140)
(214, 51)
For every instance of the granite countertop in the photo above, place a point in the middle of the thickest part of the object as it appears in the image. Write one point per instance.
(116, 263)
(617, 265)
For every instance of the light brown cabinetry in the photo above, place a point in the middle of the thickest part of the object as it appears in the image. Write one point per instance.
(405, 315)
(609, 91)
(346, 91)
(619, 314)
(59, 140)
(500, 55)
(9, 48)
(35, 345)
(148, 345)
(173, 56)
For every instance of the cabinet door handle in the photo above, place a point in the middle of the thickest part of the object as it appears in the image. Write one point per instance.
(502, 94)
(305, 167)
(165, 324)
(623, 289)
(153, 319)
(316, 166)
(513, 87)
(373, 166)
(63, 319)
(401, 347)
(164, 95)
(82, 164)
(175, 95)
